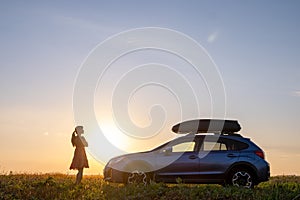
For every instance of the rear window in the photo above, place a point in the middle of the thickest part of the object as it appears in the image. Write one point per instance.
(235, 145)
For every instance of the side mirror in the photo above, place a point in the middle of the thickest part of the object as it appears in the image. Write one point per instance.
(167, 151)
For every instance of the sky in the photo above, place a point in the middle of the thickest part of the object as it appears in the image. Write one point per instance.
(255, 46)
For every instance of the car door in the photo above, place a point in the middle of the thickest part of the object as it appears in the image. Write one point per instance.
(179, 159)
(215, 157)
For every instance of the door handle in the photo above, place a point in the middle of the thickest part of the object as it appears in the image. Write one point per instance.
(193, 157)
(231, 155)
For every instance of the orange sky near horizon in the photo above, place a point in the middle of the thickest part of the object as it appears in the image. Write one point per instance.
(52, 152)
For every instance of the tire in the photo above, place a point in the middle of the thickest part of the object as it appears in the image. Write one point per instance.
(138, 177)
(240, 177)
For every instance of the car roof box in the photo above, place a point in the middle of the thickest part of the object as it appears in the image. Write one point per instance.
(207, 126)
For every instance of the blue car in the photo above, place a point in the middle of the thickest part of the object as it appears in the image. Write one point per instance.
(208, 154)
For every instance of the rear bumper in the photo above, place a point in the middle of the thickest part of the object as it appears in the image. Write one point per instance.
(263, 173)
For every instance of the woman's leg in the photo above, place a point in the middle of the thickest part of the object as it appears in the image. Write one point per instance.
(79, 176)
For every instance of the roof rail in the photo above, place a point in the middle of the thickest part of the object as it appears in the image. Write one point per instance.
(217, 133)
(231, 134)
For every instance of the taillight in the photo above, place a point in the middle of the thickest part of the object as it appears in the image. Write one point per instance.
(260, 153)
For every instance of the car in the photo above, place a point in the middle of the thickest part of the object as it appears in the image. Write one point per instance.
(221, 157)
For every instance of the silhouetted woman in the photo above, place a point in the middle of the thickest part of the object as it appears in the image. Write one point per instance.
(79, 160)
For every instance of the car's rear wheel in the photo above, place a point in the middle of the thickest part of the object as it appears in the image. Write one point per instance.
(241, 178)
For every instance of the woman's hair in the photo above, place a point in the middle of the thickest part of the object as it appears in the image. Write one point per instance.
(73, 139)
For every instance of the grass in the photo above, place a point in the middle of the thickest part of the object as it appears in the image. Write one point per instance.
(59, 186)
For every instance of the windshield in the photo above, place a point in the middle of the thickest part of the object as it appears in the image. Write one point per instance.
(171, 141)
(161, 146)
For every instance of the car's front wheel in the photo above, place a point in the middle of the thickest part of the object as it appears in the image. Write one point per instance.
(138, 177)
(241, 178)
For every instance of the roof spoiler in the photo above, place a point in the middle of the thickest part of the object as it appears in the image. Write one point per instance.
(195, 126)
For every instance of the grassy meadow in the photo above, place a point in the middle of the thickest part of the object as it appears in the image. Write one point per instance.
(60, 186)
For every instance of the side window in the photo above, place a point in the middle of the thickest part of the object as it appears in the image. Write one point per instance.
(184, 147)
(214, 146)
(223, 144)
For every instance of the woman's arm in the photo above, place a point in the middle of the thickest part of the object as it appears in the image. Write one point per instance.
(84, 142)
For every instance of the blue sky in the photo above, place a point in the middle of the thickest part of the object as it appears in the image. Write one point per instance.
(255, 45)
